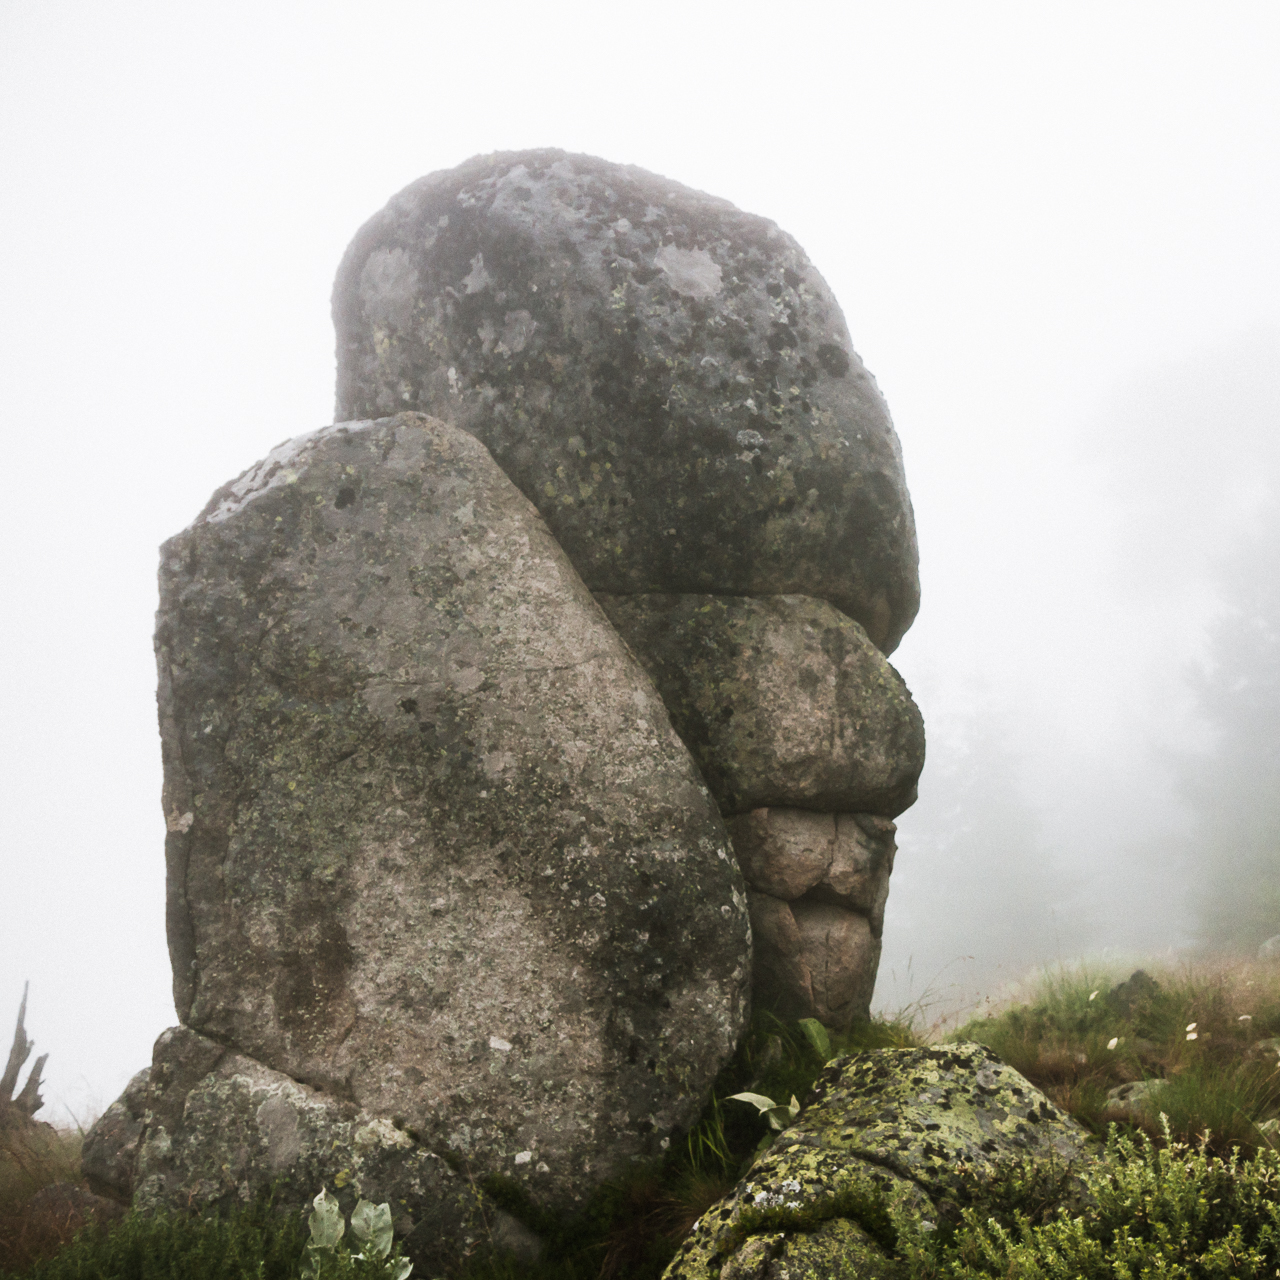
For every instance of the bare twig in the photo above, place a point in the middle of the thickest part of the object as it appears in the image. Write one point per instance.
(29, 1100)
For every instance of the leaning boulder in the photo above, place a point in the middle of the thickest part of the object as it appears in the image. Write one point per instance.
(783, 701)
(434, 848)
(917, 1126)
(668, 378)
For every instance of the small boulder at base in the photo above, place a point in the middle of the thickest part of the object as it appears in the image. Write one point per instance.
(782, 700)
(434, 847)
(667, 377)
(916, 1126)
(223, 1129)
(110, 1148)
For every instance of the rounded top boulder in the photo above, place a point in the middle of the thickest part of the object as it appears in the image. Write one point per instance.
(667, 378)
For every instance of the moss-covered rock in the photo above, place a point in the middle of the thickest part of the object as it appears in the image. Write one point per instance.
(668, 378)
(893, 1131)
(433, 845)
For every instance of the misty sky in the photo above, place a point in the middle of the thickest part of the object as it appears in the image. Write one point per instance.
(1053, 231)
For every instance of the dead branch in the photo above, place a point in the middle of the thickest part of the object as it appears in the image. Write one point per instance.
(29, 1100)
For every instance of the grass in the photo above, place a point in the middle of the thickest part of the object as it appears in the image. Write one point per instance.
(33, 1156)
(1077, 1035)
(1204, 1032)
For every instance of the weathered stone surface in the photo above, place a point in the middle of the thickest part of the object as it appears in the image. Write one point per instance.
(783, 700)
(110, 1147)
(668, 378)
(433, 845)
(813, 960)
(223, 1128)
(844, 859)
(919, 1126)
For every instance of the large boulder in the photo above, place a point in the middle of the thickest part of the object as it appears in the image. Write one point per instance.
(783, 701)
(221, 1130)
(433, 847)
(921, 1128)
(668, 378)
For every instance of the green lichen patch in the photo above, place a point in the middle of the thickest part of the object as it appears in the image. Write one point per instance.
(887, 1137)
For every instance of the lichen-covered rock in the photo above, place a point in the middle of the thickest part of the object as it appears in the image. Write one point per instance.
(812, 960)
(110, 1148)
(433, 844)
(844, 859)
(783, 700)
(918, 1127)
(221, 1129)
(668, 378)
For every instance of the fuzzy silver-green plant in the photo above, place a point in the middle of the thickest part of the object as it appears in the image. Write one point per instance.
(371, 1226)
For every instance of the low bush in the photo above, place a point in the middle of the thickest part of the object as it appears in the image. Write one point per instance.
(1154, 1211)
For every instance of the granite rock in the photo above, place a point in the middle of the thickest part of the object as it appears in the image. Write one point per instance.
(812, 960)
(666, 377)
(433, 845)
(918, 1129)
(221, 1129)
(783, 701)
(110, 1148)
(843, 859)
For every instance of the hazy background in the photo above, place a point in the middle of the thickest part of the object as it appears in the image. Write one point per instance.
(1053, 229)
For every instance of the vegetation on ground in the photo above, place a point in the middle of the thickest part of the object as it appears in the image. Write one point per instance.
(1194, 1193)
(1211, 1035)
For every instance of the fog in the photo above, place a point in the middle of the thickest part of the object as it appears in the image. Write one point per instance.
(1053, 232)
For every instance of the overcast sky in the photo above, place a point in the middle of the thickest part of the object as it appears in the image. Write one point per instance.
(1053, 230)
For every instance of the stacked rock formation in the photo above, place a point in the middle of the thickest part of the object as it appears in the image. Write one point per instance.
(458, 696)
(671, 383)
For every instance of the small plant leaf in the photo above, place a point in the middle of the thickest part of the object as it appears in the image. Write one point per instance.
(758, 1100)
(816, 1034)
(403, 1267)
(371, 1225)
(326, 1221)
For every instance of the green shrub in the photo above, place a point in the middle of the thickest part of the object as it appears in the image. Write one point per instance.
(257, 1243)
(1151, 1211)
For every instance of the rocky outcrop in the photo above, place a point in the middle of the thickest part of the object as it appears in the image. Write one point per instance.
(434, 848)
(783, 700)
(450, 892)
(221, 1129)
(916, 1127)
(668, 378)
